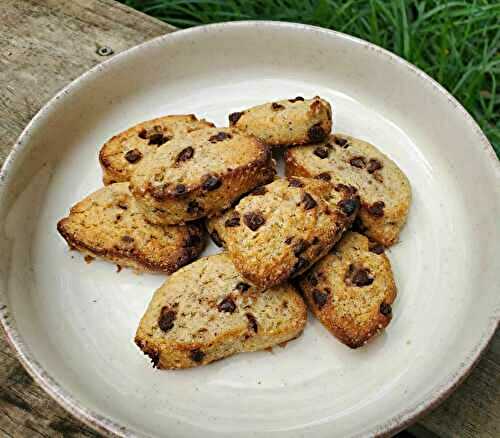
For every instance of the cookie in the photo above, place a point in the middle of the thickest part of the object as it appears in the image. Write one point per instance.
(351, 290)
(345, 161)
(286, 122)
(200, 174)
(206, 311)
(123, 152)
(280, 229)
(109, 224)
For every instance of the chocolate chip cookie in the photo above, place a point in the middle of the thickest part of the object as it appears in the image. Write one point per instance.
(124, 151)
(207, 311)
(351, 290)
(109, 224)
(280, 229)
(346, 163)
(286, 122)
(200, 174)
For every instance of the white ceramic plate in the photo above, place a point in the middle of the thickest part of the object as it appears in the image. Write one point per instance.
(72, 324)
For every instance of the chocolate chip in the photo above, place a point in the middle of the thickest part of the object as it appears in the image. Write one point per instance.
(216, 238)
(320, 298)
(192, 240)
(234, 117)
(133, 155)
(376, 209)
(252, 322)
(143, 134)
(288, 240)
(123, 205)
(316, 133)
(194, 208)
(311, 278)
(358, 276)
(185, 154)
(295, 183)
(325, 176)
(259, 191)
(362, 278)
(373, 165)
(276, 106)
(358, 225)
(211, 182)
(154, 356)
(127, 239)
(348, 190)
(227, 305)
(349, 206)
(180, 189)
(220, 136)
(315, 240)
(197, 355)
(342, 142)
(299, 266)
(385, 309)
(166, 320)
(308, 201)
(376, 248)
(157, 139)
(242, 287)
(297, 99)
(300, 247)
(253, 220)
(321, 152)
(358, 162)
(233, 222)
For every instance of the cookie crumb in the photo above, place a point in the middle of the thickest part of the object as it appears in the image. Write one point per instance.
(89, 259)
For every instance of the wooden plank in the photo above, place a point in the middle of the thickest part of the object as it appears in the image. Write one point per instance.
(48, 43)
(473, 410)
(44, 45)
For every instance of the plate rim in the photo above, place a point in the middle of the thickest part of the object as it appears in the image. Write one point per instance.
(104, 424)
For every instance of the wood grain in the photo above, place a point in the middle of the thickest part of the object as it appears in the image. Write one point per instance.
(473, 410)
(44, 45)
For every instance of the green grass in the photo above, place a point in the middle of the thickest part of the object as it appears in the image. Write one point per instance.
(455, 42)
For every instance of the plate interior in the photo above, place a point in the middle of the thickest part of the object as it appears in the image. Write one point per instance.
(79, 319)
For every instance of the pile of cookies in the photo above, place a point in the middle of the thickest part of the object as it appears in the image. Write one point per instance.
(313, 239)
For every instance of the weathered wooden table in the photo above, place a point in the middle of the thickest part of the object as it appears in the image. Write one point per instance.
(44, 45)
